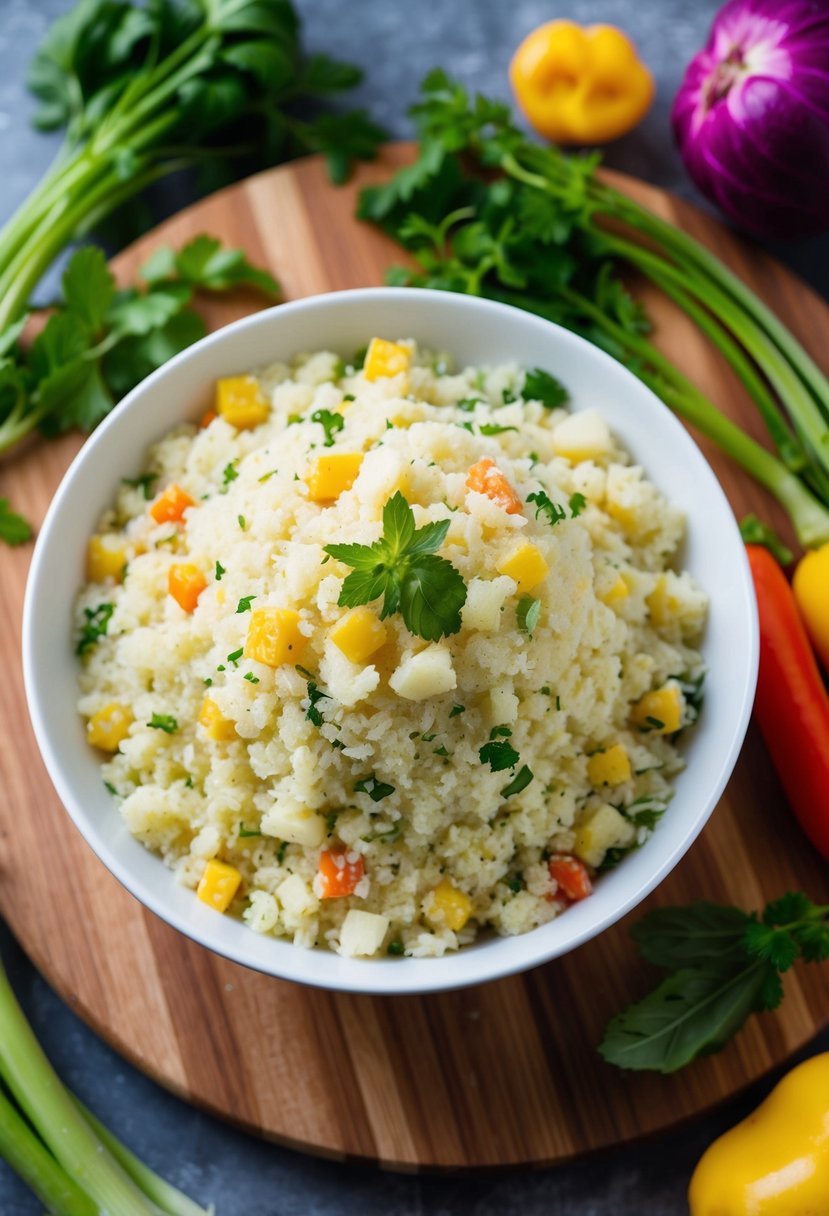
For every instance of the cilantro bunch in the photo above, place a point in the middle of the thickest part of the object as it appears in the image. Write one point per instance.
(486, 211)
(403, 567)
(724, 964)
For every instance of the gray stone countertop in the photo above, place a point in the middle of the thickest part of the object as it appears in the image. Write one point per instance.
(397, 42)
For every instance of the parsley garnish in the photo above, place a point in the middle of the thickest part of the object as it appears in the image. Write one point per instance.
(315, 695)
(492, 428)
(723, 964)
(243, 831)
(330, 423)
(497, 753)
(111, 788)
(96, 625)
(267, 476)
(404, 568)
(376, 790)
(395, 948)
(251, 677)
(541, 386)
(145, 482)
(235, 656)
(14, 529)
(519, 782)
(243, 523)
(528, 612)
(220, 570)
(165, 722)
(229, 474)
(577, 504)
(554, 512)
(245, 603)
(456, 710)
(280, 852)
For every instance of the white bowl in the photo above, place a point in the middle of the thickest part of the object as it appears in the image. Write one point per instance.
(474, 331)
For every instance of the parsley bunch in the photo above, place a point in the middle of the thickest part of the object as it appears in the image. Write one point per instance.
(724, 964)
(535, 234)
(403, 567)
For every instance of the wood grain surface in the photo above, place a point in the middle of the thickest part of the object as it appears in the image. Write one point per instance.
(496, 1075)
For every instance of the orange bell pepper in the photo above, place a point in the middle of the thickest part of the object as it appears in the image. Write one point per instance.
(580, 86)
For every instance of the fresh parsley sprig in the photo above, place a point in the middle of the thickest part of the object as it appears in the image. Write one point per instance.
(404, 568)
(724, 964)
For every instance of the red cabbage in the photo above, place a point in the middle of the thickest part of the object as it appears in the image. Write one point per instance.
(752, 116)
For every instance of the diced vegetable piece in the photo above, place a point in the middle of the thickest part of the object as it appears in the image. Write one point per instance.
(207, 417)
(218, 885)
(330, 476)
(170, 506)
(108, 727)
(185, 582)
(384, 358)
(274, 637)
(583, 436)
(105, 559)
(423, 675)
(615, 594)
(362, 933)
(662, 605)
(484, 603)
(610, 767)
(486, 478)
(448, 908)
(214, 722)
(526, 565)
(240, 402)
(359, 634)
(340, 873)
(601, 828)
(296, 897)
(571, 876)
(294, 823)
(659, 711)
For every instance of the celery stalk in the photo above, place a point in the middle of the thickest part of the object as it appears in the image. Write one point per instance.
(28, 1157)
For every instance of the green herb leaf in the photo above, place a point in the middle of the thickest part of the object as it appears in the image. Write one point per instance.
(315, 695)
(205, 264)
(14, 530)
(220, 570)
(519, 782)
(541, 386)
(376, 790)
(577, 504)
(165, 722)
(245, 603)
(230, 473)
(528, 612)
(553, 511)
(499, 755)
(456, 710)
(95, 627)
(330, 423)
(492, 428)
(144, 483)
(245, 832)
(700, 933)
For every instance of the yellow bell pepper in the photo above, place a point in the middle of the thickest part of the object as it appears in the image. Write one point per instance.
(811, 590)
(450, 908)
(776, 1162)
(109, 727)
(580, 86)
(218, 885)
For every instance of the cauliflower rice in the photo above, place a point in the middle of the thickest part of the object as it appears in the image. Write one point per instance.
(325, 773)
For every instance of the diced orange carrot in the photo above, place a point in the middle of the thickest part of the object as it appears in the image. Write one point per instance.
(486, 478)
(170, 506)
(340, 871)
(207, 417)
(185, 582)
(571, 876)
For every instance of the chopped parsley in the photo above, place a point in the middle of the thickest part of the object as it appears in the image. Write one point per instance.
(553, 511)
(330, 423)
(243, 523)
(245, 603)
(243, 831)
(145, 483)
(94, 627)
(515, 885)
(267, 476)
(331, 821)
(519, 782)
(207, 681)
(220, 570)
(280, 852)
(315, 695)
(230, 473)
(293, 419)
(469, 404)
(528, 612)
(405, 570)
(376, 790)
(235, 656)
(498, 753)
(492, 428)
(456, 710)
(165, 722)
(111, 788)
(395, 948)
(541, 386)
(251, 677)
(577, 504)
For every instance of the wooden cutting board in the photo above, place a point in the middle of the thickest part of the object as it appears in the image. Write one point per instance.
(496, 1075)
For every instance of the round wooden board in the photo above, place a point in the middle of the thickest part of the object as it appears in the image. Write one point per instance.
(490, 1076)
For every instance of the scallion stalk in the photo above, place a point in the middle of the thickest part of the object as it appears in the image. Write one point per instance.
(28, 1157)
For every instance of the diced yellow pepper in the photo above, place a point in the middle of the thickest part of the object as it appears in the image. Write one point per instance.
(218, 885)
(108, 727)
(359, 634)
(274, 637)
(330, 476)
(449, 908)
(240, 402)
(384, 358)
(615, 594)
(526, 565)
(610, 767)
(213, 721)
(659, 711)
(105, 560)
(662, 606)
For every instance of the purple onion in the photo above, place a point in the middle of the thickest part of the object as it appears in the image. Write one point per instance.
(752, 116)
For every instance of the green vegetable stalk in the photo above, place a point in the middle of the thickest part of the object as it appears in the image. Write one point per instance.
(73, 1165)
(545, 234)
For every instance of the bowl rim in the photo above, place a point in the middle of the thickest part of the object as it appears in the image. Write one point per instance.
(373, 976)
